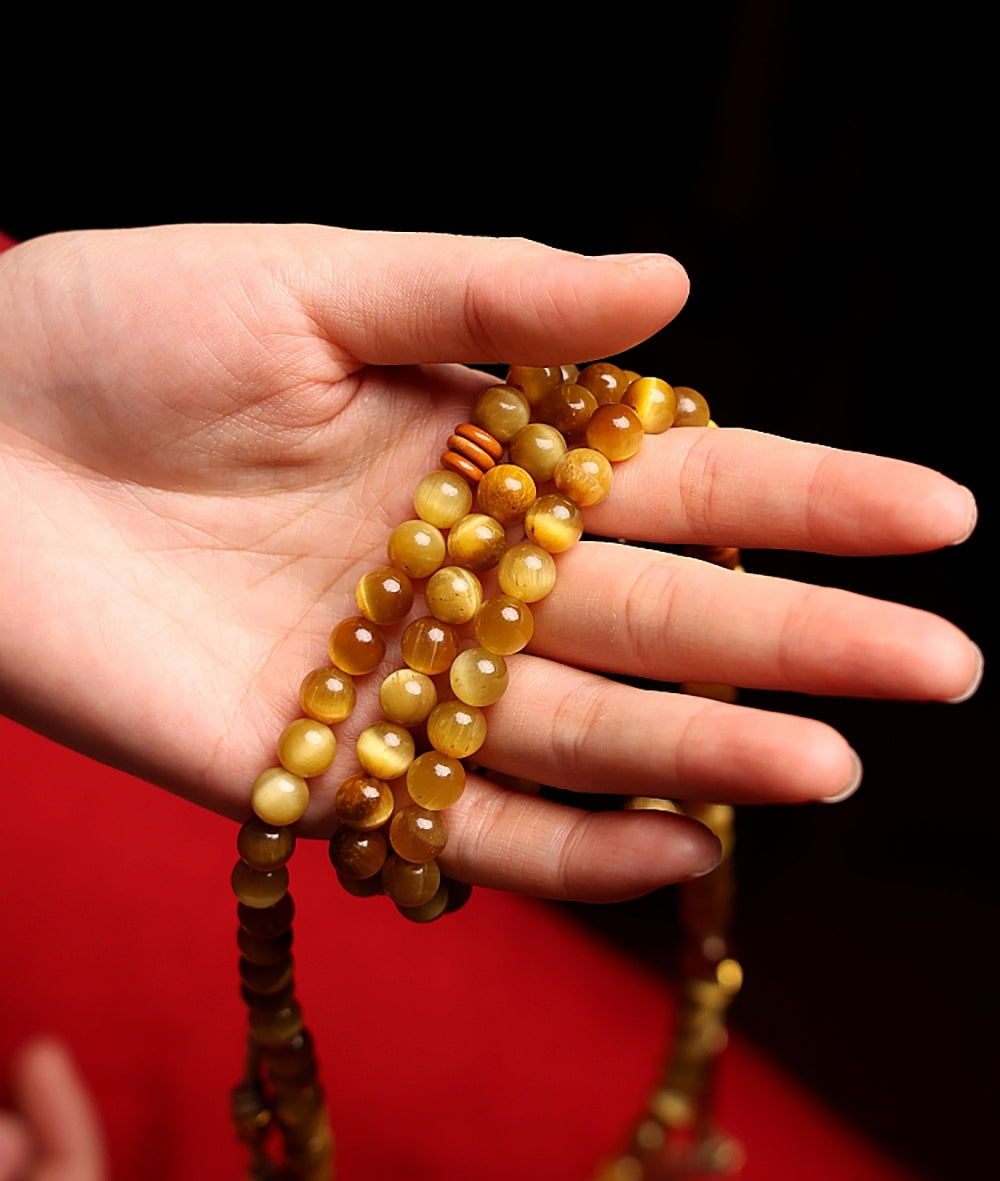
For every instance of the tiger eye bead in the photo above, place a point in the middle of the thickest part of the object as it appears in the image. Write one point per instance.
(478, 677)
(328, 695)
(257, 889)
(506, 492)
(502, 410)
(361, 887)
(538, 448)
(357, 645)
(357, 854)
(429, 646)
(385, 750)
(605, 381)
(476, 542)
(504, 625)
(407, 697)
(363, 803)
(264, 846)
(269, 922)
(259, 950)
(616, 431)
(584, 475)
(266, 977)
(384, 595)
(568, 408)
(456, 729)
(554, 522)
(655, 403)
(418, 834)
(692, 409)
(429, 911)
(274, 1028)
(527, 572)
(435, 781)
(408, 884)
(453, 594)
(306, 747)
(416, 548)
(278, 797)
(535, 381)
(442, 498)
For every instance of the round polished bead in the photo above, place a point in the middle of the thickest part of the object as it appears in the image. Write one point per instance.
(357, 645)
(407, 697)
(478, 677)
(616, 431)
(385, 750)
(554, 522)
(506, 492)
(361, 887)
(568, 408)
(257, 889)
(538, 448)
(584, 475)
(306, 747)
(357, 854)
(605, 381)
(429, 911)
(453, 594)
(418, 834)
(527, 572)
(408, 884)
(442, 498)
(264, 846)
(692, 409)
(384, 595)
(535, 381)
(327, 694)
(278, 797)
(456, 729)
(654, 401)
(269, 922)
(416, 548)
(363, 802)
(259, 950)
(435, 781)
(476, 542)
(295, 1058)
(429, 646)
(504, 625)
(275, 1028)
(502, 410)
(266, 977)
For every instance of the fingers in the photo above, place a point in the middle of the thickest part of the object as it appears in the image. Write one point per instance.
(742, 488)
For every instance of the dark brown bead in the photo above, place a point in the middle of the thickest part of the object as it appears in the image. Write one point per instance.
(270, 921)
(257, 889)
(295, 1057)
(275, 1027)
(361, 887)
(429, 911)
(568, 408)
(459, 894)
(266, 977)
(605, 381)
(363, 803)
(409, 884)
(357, 854)
(268, 1002)
(296, 1108)
(263, 951)
(265, 846)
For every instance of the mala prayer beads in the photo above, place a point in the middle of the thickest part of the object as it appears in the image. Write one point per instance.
(564, 429)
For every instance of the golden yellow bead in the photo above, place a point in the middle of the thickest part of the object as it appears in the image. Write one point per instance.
(264, 846)
(605, 381)
(569, 374)
(442, 498)
(418, 834)
(408, 884)
(327, 694)
(406, 697)
(257, 888)
(416, 548)
(692, 409)
(504, 625)
(478, 677)
(453, 594)
(584, 475)
(435, 781)
(476, 542)
(429, 646)
(385, 750)
(538, 448)
(357, 646)
(554, 522)
(384, 595)
(456, 729)
(278, 797)
(535, 380)
(568, 408)
(363, 803)
(527, 572)
(632, 376)
(506, 492)
(306, 747)
(502, 410)
(616, 431)
(654, 401)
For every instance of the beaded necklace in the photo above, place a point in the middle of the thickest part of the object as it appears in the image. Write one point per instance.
(558, 426)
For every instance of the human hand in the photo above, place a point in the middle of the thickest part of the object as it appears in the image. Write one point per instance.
(208, 433)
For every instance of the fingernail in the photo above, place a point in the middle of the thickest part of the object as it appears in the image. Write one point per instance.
(643, 261)
(973, 517)
(852, 785)
(974, 684)
(707, 869)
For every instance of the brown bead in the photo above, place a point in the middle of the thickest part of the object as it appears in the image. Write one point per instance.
(482, 438)
(306, 747)
(605, 381)
(470, 450)
(361, 887)
(435, 781)
(385, 750)
(441, 499)
(478, 677)
(476, 542)
(506, 492)
(416, 548)
(504, 625)
(274, 1028)
(502, 410)
(259, 950)
(265, 846)
(257, 889)
(357, 645)
(266, 977)
(569, 374)
(616, 431)
(295, 1058)
(268, 1002)
(453, 462)
(554, 522)
(692, 409)
(327, 694)
(459, 894)
(538, 448)
(294, 1109)
(535, 381)
(453, 594)
(584, 475)
(456, 729)
(418, 834)
(269, 922)
(406, 697)
(568, 408)
(408, 884)
(357, 854)
(429, 646)
(654, 401)
(278, 797)
(527, 572)
(384, 595)
(363, 803)
(429, 911)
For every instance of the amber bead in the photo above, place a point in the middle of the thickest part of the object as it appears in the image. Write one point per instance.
(357, 645)
(306, 747)
(430, 910)
(269, 922)
(655, 403)
(527, 572)
(384, 595)
(453, 594)
(568, 408)
(554, 522)
(385, 750)
(278, 797)
(266, 977)
(478, 677)
(502, 410)
(435, 781)
(357, 854)
(538, 448)
(328, 695)
(506, 492)
(363, 802)
(259, 950)
(274, 1028)
(408, 884)
(616, 431)
(692, 409)
(584, 475)
(361, 887)
(456, 729)
(407, 697)
(605, 381)
(535, 381)
(257, 889)
(429, 646)
(476, 542)
(416, 548)
(418, 834)
(265, 846)
(442, 498)
(504, 625)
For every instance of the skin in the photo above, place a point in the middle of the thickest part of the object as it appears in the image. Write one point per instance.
(207, 433)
